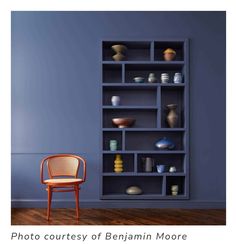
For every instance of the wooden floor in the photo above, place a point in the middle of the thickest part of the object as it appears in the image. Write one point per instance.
(27, 216)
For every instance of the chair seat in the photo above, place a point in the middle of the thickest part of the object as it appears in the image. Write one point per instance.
(63, 181)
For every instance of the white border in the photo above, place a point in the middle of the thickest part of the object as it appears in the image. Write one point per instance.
(209, 234)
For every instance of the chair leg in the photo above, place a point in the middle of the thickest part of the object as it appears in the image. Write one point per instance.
(77, 201)
(49, 201)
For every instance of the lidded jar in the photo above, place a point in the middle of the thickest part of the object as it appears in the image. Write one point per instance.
(177, 78)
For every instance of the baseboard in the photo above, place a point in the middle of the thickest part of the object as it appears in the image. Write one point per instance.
(41, 203)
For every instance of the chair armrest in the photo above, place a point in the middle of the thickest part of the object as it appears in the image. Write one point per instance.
(84, 168)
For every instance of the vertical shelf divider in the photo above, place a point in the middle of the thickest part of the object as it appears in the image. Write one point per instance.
(152, 51)
(123, 73)
(135, 163)
(123, 140)
(164, 186)
(159, 115)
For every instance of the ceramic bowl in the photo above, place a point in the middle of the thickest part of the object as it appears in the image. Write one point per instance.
(133, 190)
(171, 106)
(138, 79)
(119, 48)
(123, 122)
(118, 57)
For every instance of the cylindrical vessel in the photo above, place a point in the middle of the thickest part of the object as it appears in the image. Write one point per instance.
(148, 164)
(118, 164)
(172, 117)
(115, 100)
(177, 78)
(165, 78)
(113, 145)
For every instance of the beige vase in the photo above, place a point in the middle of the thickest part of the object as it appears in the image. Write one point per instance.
(172, 117)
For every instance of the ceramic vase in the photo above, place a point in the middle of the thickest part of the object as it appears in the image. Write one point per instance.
(148, 164)
(113, 145)
(177, 78)
(152, 78)
(174, 190)
(115, 100)
(120, 52)
(172, 117)
(118, 164)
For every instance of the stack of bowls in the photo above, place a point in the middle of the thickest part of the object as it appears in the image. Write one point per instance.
(165, 78)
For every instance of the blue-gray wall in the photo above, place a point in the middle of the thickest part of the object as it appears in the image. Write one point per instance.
(56, 96)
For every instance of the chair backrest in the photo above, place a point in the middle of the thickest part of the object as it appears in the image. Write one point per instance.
(63, 165)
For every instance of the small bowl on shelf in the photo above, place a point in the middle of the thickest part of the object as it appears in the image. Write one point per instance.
(123, 122)
(138, 79)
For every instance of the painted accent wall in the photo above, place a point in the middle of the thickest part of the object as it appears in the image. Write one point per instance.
(56, 95)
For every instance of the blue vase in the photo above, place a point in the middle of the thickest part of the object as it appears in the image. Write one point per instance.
(165, 144)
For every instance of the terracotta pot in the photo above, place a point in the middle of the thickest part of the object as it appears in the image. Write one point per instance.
(172, 117)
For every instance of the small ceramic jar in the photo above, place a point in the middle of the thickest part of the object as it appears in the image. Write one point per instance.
(172, 169)
(152, 78)
(177, 78)
(174, 190)
(165, 78)
(115, 100)
(113, 145)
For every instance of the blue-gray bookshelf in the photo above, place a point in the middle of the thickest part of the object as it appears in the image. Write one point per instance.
(146, 102)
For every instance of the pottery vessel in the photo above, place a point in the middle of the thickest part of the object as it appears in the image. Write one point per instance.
(148, 164)
(172, 117)
(123, 122)
(134, 190)
(120, 52)
(118, 164)
(113, 145)
(152, 78)
(174, 193)
(174, 188)
(172, 169)
(161, 168)
(177, 78)
(165, 144)
(169, 54)
(115, 100)
(165, 78)
(139, 79)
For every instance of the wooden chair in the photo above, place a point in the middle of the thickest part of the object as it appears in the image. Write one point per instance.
(63, 173)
